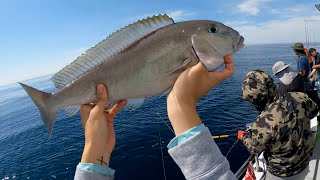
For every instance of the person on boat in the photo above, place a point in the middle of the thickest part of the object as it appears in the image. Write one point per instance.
(310, 59)
(303, 65)
(316, 65)
(193, 148)
(282, 130)
(313, 52)
(290, 80)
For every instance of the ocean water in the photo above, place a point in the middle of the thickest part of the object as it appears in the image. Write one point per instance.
(26, 151)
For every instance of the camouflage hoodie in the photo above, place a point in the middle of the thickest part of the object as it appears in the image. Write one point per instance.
(282, 130)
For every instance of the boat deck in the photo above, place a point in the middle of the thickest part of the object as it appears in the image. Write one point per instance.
(314, 167)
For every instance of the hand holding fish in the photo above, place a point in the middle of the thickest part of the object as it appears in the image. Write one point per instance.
(98, 129)
(191, 85)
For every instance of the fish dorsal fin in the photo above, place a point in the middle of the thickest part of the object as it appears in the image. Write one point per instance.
(109, 47)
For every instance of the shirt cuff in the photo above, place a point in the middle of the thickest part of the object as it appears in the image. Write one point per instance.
(104, 170)
(185, 136)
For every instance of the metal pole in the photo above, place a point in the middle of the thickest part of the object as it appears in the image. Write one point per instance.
(243, 168)
(258, 168)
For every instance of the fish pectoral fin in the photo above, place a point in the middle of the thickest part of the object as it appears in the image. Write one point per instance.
(183, 65)
(206, 53)
(133, 104)
(166, 92)
(71, 110)
(172, 70)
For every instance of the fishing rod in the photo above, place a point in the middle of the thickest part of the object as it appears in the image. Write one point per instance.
(225, 136)
(306, 30)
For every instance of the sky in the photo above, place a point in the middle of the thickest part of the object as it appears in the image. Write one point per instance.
(40, 37)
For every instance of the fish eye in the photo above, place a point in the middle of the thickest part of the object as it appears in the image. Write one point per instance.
(212, 29)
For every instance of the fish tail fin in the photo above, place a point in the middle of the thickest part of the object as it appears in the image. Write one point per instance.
(40, 99)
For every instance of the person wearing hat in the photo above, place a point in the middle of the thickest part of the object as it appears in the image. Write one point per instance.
(282, 130)
(303, 65)
(290, 80)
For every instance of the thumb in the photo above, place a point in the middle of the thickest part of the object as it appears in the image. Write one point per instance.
(226, 72)
(102, 97)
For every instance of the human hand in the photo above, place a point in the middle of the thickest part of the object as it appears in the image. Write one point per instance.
(196, 81)
(98, 129)
(191, 85)
(240, 134)
(312, 73)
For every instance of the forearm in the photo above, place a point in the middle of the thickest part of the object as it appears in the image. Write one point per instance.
(253, 141)
(251, 147)
(316, 66)
(96, 155)
(182, 115)
(94, 164)
(312, 72)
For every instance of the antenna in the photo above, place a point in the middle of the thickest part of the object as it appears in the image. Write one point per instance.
(315, 40)
(306, 32)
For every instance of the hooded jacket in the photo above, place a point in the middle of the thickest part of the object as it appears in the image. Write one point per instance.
(282, 130)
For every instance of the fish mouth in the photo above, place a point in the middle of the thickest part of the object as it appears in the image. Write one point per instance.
(238, 42)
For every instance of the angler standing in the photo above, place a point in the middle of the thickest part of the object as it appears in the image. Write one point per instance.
(303, 65)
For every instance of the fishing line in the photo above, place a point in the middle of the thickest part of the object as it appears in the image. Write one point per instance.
(160, 141)
(231, 148)
(165, 123)
(132, 128)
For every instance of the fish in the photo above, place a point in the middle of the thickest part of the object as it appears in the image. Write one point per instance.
(140, 60)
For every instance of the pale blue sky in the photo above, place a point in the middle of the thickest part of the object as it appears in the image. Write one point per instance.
(39, 37)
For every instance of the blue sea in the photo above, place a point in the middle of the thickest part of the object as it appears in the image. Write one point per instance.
(27, 152)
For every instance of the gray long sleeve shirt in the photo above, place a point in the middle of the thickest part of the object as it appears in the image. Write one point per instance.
(200, 158)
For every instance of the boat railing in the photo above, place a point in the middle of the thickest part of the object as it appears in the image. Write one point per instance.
(243, 168)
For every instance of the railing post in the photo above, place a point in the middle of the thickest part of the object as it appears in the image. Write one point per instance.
(243, 168)
(257, 168)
